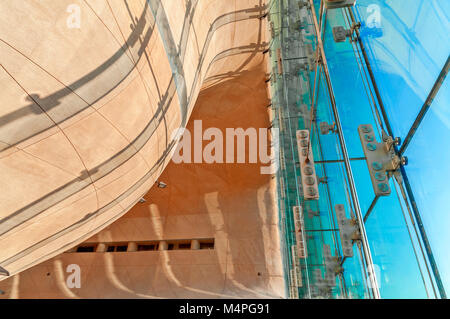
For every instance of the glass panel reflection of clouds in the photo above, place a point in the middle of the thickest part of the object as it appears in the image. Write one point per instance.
(429, 175)
(407, 46)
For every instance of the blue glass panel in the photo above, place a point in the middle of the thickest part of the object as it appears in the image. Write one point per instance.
(352, 99)
(407, 43)
(386, 227)
(429, 175)
(393, 255)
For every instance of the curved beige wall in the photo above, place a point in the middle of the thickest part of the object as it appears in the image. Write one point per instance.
(233, 204)
(87, 113)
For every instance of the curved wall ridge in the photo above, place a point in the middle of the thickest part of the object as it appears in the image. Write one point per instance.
(91, 92)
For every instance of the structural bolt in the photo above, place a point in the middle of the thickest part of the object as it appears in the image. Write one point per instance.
(380, 176)
(377, 166)
(371, 147)
(303, 134)
(368, 138)
(383, 187)
(308, 170)
(365, 129)
(311, 191)
(309, 180)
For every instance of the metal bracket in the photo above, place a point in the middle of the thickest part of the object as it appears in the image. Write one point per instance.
(279, 61)
(313, 213)
(348, 230)
(293, 287)
(296, 267)
(340, 34)
(304, 4)
(308, 171)
(396, 161)
(332, 269)
(380, 157)
(299, 229)
(326, 128)
(272, 30)
(355, 25)
(322, 289)
(332, 266)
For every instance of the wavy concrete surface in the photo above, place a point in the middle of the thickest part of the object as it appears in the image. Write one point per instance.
(87, 113)
(232, 203)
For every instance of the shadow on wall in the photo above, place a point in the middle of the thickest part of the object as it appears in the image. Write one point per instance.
(142, 30)
(233, 203)
(104, 168)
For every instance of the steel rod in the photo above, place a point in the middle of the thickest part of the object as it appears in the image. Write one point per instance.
(340, 161)
(365, 245)
(410, 134)
(372, 78)
(426, 243)
(319, 230)
(425, 107)
(372, 205)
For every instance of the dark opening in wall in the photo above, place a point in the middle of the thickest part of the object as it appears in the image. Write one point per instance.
(144, 247)
(184, 246)
(175, 244)
(207, 244)
(117, 248)
(86, 249)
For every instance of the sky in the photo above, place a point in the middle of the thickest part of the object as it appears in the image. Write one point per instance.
(407, 47)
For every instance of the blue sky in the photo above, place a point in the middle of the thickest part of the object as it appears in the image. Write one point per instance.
(407, 49)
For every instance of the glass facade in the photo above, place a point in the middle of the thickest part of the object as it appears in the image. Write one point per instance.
(380, 74)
